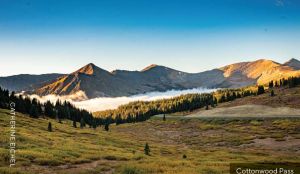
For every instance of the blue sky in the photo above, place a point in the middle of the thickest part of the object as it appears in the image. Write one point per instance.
(42, 36)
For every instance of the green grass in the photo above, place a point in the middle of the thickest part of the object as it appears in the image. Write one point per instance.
(210, 145)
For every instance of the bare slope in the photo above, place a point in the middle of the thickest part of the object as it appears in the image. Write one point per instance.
(248, 110)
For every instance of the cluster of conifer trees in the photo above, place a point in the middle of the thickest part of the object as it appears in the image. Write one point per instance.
(59, 110)
(132, 112)
(232, 94)
(143, 110)
(290, 82)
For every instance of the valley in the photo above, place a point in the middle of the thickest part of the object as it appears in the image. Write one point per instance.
(208, 144)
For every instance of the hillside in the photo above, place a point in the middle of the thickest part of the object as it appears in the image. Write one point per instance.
(24, 82)
(261, 71)
(97, 82)
(286, 102)
(209, 145)
(284, 97)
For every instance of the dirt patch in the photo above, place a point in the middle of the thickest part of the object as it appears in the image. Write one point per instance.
(288, 143)
(102, 165)
(248, 110)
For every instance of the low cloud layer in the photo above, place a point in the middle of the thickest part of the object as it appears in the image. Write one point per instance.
(104, 103)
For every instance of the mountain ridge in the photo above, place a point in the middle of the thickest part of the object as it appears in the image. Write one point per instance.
(97, 82)
(25, 82)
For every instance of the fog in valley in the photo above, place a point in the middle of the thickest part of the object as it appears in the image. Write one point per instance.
(103, 103)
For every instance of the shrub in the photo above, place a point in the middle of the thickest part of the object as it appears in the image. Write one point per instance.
(131, 170)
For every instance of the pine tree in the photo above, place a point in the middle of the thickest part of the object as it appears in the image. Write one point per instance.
(271, 84)
(164, 117)
(215, 101)
(82, 123)
(260, 90)
(49, 127)
(74, 124)
(147, 149)
(106, 127)
(94, 124)
(33, 111)
(272, 93)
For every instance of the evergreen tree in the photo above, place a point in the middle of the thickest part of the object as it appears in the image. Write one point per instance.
(147, 149)
(118, 120)
(260, 90)
(94, 124)
(223, 98)
(106, 127)
(215, 101)
(271, 84)
(82, 123)
(74, 124)
(272, 93)
(49, 127)
(164, 117)
(33, 111)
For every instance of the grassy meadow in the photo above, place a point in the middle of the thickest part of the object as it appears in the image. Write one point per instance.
(177, 145)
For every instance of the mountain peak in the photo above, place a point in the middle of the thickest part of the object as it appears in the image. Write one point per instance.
(293, 60)
(265, 61)
(150, 67)
(294, 63)
(91, 64)
(88, 69)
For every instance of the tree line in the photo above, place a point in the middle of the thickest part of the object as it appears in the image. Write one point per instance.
(226, 95)
(132, 112)
(142, 110)
(135, 111)
(290, 82)
(35, 109)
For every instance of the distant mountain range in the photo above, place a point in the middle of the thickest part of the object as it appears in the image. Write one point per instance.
(97, 82)
(25, 82)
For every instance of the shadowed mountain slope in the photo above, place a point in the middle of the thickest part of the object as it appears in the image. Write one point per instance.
(294, 63)
(26, 81)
